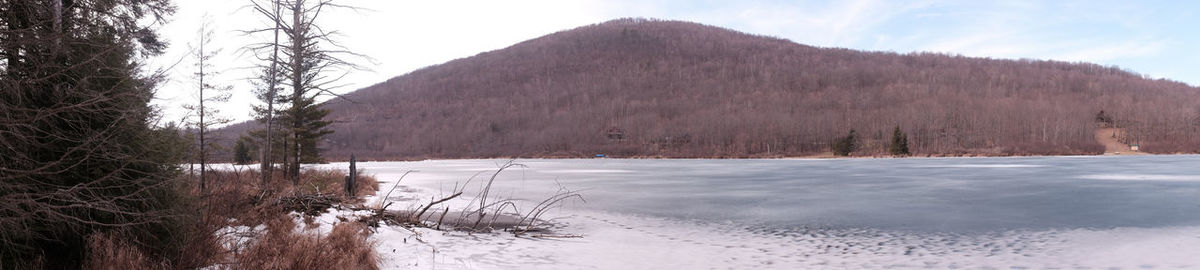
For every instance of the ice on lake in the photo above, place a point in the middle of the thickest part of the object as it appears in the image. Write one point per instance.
(1036, 212)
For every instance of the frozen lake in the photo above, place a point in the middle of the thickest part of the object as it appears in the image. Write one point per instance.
(1110, 211)
(938, 194)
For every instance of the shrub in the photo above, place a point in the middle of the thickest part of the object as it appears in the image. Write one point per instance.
(845, 145)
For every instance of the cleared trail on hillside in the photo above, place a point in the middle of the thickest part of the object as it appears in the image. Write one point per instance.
(1112, 146)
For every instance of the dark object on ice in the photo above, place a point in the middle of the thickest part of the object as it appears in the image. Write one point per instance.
(351, 178)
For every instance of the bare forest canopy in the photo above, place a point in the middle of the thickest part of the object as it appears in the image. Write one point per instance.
(637, 87)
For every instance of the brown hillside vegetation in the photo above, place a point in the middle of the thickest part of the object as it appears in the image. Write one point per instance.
(683, 89)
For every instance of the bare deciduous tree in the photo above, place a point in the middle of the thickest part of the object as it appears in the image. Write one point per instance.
(268, 81)
(207, 93)
(310, 62)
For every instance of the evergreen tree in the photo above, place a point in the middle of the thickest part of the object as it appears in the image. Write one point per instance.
(241, 152)
(313, 128)
(845, 145)
(78, 153)
(899, 145)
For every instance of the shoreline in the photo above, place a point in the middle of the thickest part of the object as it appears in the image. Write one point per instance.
(821, 156)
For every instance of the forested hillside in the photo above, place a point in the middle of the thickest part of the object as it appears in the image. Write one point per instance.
(635, 87)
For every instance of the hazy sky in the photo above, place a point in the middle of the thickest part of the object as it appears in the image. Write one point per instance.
(1156, 38)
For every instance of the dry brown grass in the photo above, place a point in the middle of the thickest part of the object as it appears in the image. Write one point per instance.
(281, 247)
(186, 240)
(238, 194)
(311, 181)
(118, 251)
(236, 198)
(111, 252)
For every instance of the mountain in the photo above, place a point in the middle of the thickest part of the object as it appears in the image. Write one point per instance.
(681, 89)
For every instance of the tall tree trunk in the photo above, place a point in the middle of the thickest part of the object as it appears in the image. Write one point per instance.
(18, 23)
(272, 82)
(287, 160)
(298, 35)
(58, 23)
(203, 153)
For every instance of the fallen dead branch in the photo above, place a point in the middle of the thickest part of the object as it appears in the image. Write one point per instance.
(557, 236)
(528, 221)
(309, 204)
(381, 206)
(480, 214)
(422, 213)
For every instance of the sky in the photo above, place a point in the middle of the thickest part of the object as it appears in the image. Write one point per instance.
(1158, 39)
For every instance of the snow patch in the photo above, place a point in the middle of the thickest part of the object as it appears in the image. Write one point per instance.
(239, 236)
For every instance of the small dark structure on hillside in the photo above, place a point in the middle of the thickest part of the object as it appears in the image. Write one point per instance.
(616, 134)
(1103, 120)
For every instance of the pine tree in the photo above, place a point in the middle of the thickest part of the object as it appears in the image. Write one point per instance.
(845, 145)
(78, 151)
(313, 127)
(241, 152)
(899, 145)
